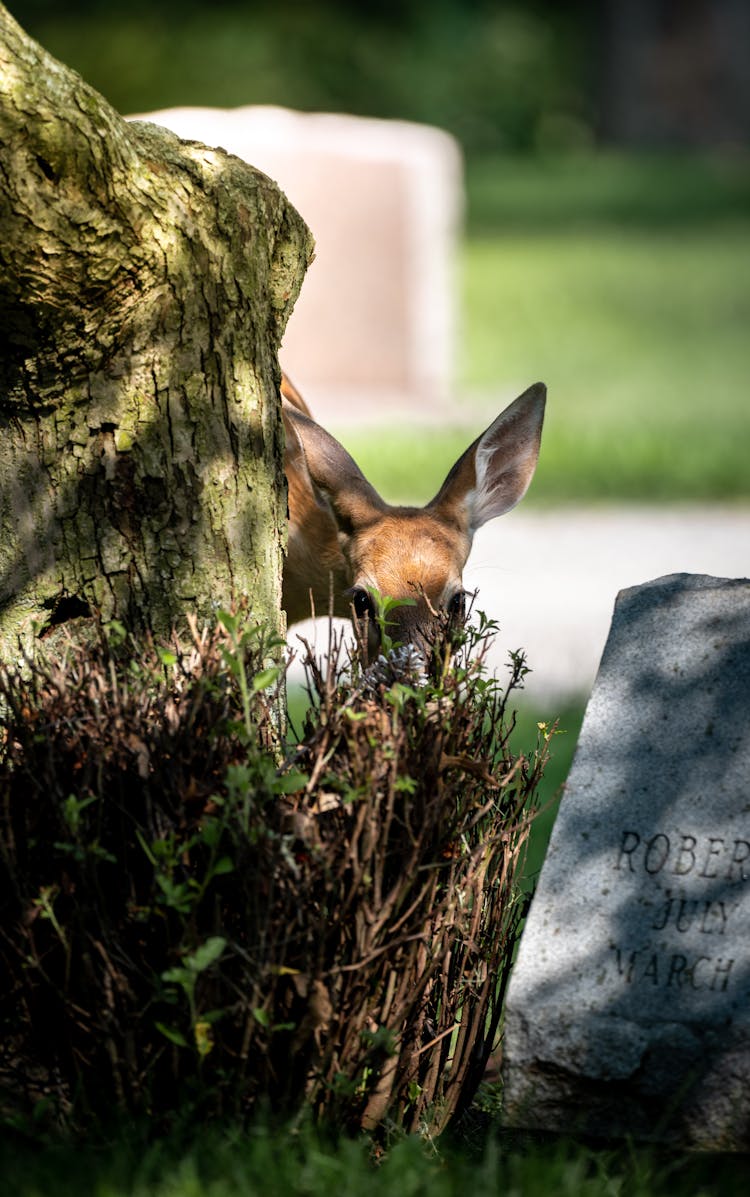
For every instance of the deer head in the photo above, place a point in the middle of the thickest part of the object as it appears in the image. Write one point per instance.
(346, 541)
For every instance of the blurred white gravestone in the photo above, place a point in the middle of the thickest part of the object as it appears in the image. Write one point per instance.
(375, 322)
(628, 1010)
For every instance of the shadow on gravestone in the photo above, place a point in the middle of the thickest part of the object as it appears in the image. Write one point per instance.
(628, 1011)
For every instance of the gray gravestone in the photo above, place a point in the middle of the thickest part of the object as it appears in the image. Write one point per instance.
(628, 1011)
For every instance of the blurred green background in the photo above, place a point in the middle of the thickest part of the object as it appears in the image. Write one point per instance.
(607, 246)
(496, 75)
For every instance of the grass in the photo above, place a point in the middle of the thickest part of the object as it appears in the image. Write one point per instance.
(623, 284)
(267, 1163)
(606, 190)
(550, 791)
(641, 337)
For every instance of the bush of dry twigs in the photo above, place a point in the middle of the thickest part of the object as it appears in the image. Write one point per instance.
(190, 914)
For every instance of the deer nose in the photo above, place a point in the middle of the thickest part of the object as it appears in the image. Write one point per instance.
(412, 633)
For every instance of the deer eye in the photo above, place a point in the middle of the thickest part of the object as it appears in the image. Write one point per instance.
(457, 605)
(362, 604)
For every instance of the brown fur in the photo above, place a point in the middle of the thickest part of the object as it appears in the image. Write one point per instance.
(342, 535)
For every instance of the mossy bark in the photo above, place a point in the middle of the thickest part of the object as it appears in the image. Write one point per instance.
(145, 283)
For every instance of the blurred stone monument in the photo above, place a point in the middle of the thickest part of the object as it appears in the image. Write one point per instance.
(375, 324)
(628, 1011)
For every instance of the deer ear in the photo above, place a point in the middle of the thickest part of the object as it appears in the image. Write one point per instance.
(292, 396)
(494, 473)
(334, 475)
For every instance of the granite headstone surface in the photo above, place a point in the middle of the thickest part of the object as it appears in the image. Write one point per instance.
(628, 1011)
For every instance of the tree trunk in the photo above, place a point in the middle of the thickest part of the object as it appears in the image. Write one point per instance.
(145, 283)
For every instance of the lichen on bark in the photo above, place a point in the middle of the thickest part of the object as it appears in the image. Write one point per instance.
(145, 284)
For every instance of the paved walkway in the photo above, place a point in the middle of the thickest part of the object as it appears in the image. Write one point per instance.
(550, 578)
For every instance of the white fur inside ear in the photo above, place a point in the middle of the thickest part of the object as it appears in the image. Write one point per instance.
(504, 462)
(492, 495)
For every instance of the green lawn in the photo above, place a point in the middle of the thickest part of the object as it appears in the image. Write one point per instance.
(606, 189)
(562, 747)
(641, 336)
(284, 1163)
(624, 284)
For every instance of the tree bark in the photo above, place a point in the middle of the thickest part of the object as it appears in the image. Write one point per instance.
(145, 284)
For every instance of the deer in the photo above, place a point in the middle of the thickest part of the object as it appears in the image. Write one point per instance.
(346, 545)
